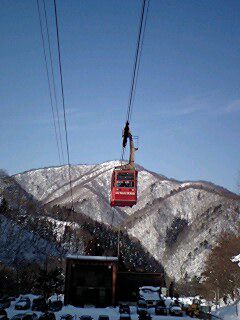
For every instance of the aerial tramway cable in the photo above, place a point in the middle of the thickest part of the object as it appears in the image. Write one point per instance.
(127, 134)
(49, 84)
(53, 79)
(139, 57)
(141, 30)
(137, 60)
(63, 104)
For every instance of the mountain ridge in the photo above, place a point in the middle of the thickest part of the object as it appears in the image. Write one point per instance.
(176, 222)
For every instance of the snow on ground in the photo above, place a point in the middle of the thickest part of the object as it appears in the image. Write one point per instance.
(112, 312)
(231, 312)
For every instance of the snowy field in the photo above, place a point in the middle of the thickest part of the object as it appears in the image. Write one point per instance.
(231, 312)
(94, 312)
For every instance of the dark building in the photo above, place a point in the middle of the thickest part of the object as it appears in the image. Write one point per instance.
(90, 280)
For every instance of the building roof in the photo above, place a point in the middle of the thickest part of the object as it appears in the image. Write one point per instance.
(92, 258)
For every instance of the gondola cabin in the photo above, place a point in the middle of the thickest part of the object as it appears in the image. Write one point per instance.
(124, 188)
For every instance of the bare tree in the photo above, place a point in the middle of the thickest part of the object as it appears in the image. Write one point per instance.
(222, 275)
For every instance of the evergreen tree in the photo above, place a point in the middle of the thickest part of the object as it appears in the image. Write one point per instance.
(4, 206)
(49, 282)
(171, 290)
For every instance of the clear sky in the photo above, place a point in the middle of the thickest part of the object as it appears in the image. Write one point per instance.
(187, 106)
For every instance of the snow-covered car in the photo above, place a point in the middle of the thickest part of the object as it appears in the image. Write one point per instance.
(32, 316)
(25, 316)
(124, 308)
(150, 294)
(161, 310)
(23, 304)
(12, 299)
(3, 312)
(175, 310)
(142, 307)
(144, 316)
(55, 305)
(39, 304)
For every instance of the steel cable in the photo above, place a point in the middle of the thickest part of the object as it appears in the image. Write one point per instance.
(63, 103)
(48, 78)
(53, 79)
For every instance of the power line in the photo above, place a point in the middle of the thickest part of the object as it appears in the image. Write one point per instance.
(48, 78)
(63, 102)
(53, 79)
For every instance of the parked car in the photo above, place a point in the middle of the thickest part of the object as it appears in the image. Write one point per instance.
(39, 304)
(66, 317)
(25, 316)
(3, 312)
(5, 303)
(23, 304)
(103, 317)
(3, 317)
(150, 294)
(31, 316)
(55, 306)
(124, 308)
(125, 316)
(47, 316)
(86, 317)
(142, 307)
(143, 316)
(161, 308)
(175, 309)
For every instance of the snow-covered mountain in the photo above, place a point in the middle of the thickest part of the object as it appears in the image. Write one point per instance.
(176, 222)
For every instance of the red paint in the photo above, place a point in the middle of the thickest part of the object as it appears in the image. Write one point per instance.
(124, 188)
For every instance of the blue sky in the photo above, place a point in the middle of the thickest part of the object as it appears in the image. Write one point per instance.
(187, 106)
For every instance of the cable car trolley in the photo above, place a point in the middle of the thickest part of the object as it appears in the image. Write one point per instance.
(124, 177)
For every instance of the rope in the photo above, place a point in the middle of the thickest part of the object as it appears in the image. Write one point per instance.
(49, 85)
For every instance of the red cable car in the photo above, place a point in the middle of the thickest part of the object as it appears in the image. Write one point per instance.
(124, 178)
(124, 188)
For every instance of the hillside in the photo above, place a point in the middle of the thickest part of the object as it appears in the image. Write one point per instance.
(176, 222)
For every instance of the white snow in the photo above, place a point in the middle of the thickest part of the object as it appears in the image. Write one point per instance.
(231, 312)
(237, 259)
(149, 293)
(101, 258)
(151, 217)
(112, 312)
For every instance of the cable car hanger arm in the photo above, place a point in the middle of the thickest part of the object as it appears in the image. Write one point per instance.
(127, 135)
